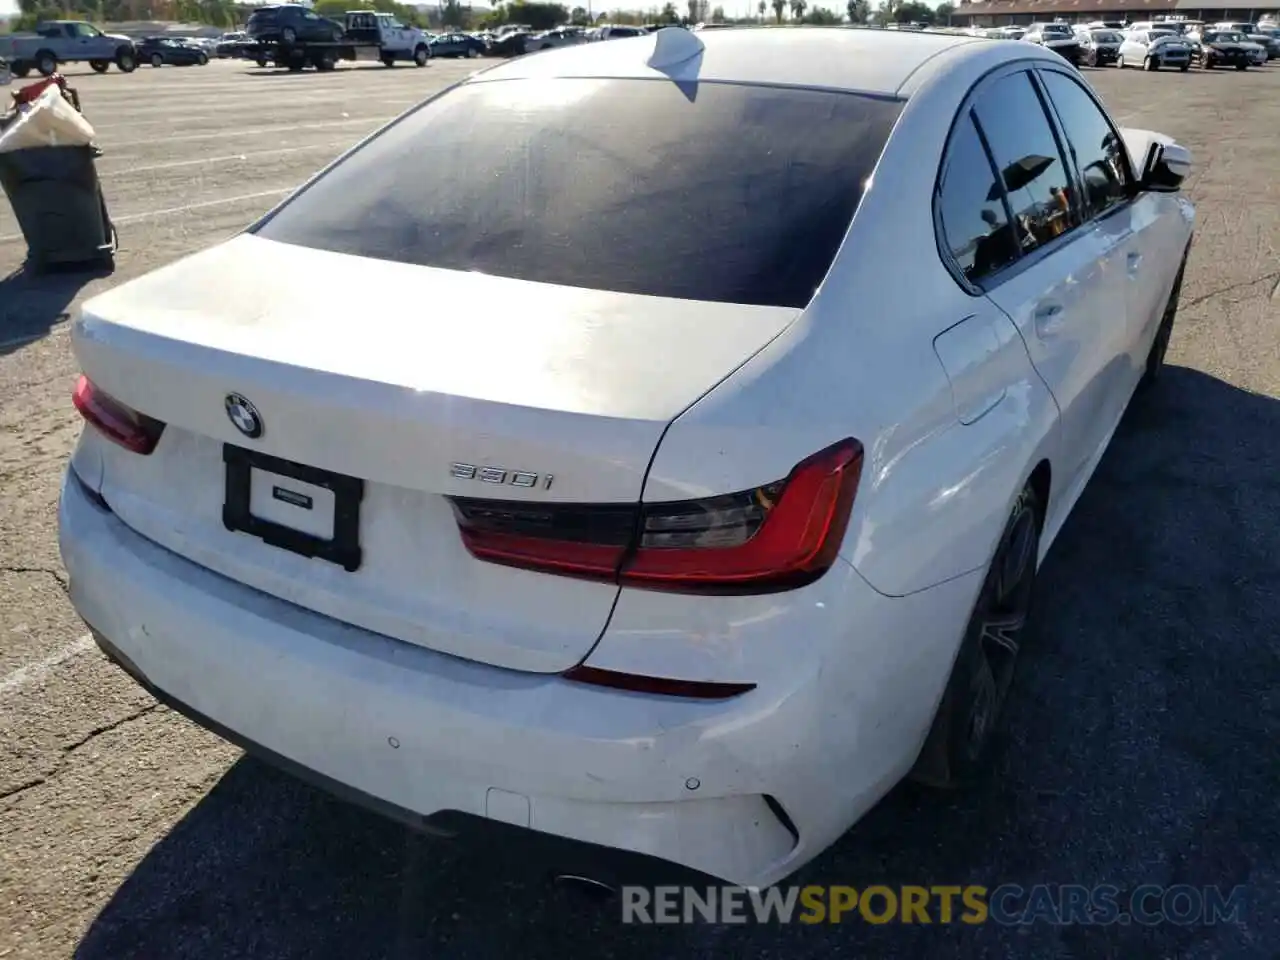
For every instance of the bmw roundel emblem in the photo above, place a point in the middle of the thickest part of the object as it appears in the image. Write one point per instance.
(244, 415)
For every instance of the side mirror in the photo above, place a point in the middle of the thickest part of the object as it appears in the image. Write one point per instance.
(1165, 167)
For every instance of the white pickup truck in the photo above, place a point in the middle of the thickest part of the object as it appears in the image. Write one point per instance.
(277, 36)
(66, 41)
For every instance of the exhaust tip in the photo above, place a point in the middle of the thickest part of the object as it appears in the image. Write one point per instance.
(595, 890)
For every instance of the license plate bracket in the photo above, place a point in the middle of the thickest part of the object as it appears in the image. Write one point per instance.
(342, 549)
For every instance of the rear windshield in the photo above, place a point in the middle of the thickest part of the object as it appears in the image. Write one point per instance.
(703, 191)
(1105, 36)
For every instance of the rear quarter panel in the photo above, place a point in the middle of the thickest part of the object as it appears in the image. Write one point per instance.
(934, 493)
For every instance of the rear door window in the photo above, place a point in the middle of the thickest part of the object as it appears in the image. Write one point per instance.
(708, 191)
(971, 209)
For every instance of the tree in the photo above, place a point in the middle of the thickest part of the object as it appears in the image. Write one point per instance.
(859, 11)
(778, 7)
(822, 17)
(761, 7)
(669, 13)
(717, 15)
(798, 8)
(579, 16)
(943, 12)
(913, 11)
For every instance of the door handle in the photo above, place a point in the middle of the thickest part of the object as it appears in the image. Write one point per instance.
(1048, 317)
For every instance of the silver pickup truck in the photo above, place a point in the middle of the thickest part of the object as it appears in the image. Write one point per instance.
(66, 41)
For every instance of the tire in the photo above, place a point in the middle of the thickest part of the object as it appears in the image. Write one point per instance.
(420, 55)
(262, 62)
(472, 53)
(1242, 66)
(1151, 64)
(1184, 68)
(1120, 61)
(126, 61)
(46, 63)
(388, 60)
(1092, 59)
(99, 66)
(960, 739)
(1164, 333)
(288, 36)
(157, 60)
(202, 61)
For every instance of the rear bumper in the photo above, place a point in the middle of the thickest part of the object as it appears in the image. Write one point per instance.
(746, 790)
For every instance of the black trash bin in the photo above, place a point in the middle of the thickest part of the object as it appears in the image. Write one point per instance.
(58, 202)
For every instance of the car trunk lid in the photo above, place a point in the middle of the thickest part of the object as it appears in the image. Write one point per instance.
(419, 383)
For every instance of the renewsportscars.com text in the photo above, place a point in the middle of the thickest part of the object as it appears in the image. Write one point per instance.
(971, 904)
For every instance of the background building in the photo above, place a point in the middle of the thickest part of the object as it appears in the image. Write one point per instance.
(995, 13)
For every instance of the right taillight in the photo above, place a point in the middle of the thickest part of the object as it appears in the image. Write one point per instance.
(121, 424)
(774, 537)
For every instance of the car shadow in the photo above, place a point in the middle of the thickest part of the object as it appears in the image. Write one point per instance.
(1141, 749)
(33, 303)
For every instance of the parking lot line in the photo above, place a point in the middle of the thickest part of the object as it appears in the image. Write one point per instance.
(368, 121)
(34, 672)
(225, 158)
(221, 201)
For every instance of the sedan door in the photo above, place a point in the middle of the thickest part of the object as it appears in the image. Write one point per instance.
(1148, 228)
(1068, 293)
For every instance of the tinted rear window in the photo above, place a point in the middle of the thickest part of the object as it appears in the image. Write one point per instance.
(706, 191)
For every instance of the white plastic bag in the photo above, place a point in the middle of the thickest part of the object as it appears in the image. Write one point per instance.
(48, 121)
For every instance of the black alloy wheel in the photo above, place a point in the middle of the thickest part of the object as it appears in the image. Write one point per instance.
(961, 736)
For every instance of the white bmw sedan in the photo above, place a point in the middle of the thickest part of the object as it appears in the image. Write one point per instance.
(704, 500)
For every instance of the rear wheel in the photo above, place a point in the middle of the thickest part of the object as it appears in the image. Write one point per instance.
(1184, 68)
(420, 55)
(1151, 63)
(99, 66)
(1120, 61)
(472, 53)
(202, 60)
(388, 60)
(961, 735)
(1242, 66)
(126, 61)
(46, 63)
(157, 60)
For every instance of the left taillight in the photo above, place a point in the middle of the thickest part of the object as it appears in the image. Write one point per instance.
(775, 537)
(114, 420)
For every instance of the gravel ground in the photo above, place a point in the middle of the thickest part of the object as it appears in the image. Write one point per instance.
(1144, 730)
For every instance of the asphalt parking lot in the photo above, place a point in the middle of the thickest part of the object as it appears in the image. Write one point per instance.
(1145, 732)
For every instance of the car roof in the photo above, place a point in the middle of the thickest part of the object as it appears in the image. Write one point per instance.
(868, 61)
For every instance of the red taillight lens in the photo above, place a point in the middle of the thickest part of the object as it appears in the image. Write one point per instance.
(132, 430)
(775, 537)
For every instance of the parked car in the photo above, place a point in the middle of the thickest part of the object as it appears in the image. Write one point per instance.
(501, 579)
(1222, 48)
(1253, 34)
(456, 45)
(1099, 47)
(230, 44)
(66, 41)
(290, 23)
(164, 51)
(1056, 37)
(615, 32)
(559, 37)
(510, 44)
(1153, 49)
